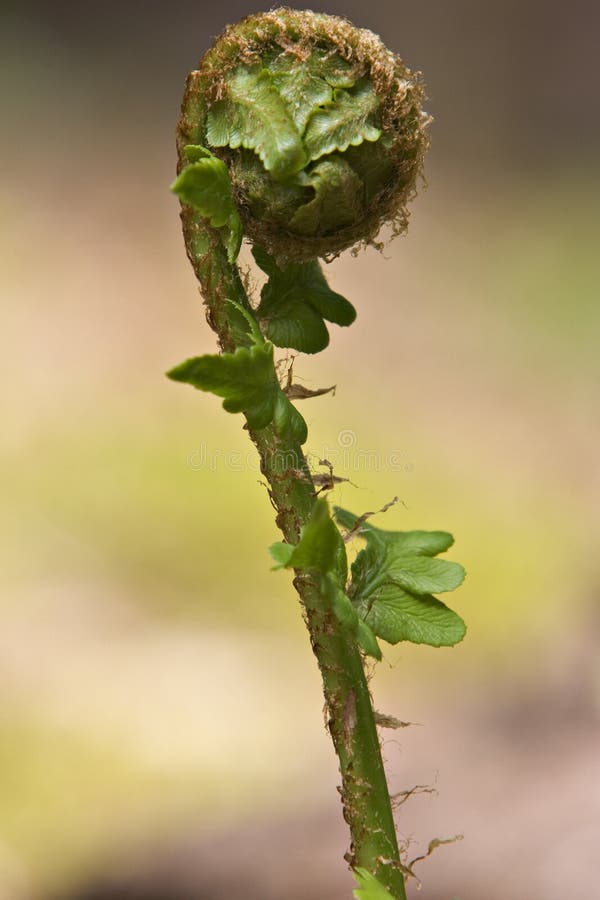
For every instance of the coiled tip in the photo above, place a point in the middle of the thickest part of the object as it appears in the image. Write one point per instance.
(321, 128)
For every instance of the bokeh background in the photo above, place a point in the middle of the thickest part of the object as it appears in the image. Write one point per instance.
(161, 724)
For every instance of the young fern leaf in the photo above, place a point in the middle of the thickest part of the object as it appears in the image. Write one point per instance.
(205, 185)
(348, 120)
(395, 615)
(307, 84)
(254, 116)
(321, 549)
(343, 609)
(372, 164)
(248, 383)
(320, 546)
(393, 579)
(367, 640)
(417, 543)
(303, 91)
(337, 202)
(285, 90)
(295, 301)
(281, 553)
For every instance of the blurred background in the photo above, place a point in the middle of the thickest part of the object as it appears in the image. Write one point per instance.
(161, 723)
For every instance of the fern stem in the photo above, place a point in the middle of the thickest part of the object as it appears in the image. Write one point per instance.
(351, 723)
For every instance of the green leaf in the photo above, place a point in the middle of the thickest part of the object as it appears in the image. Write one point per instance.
(205, 185)
(393, 578)
(339, 571)
(245, 379)
(248, 383)
(424, 575)
(281, 553)
(415, 543)
(369, 888)
(374, 164)
(252, 326)
(348, 120)
(265, 261)
(307, 84)
(338, 199)
(343, 609)
(292, 323)
(367, 640)
(302, 90)
(295, 301)
(194, 152)
(287, 420)
(396, 615)
(233, 241)
(320, 547)
(319, 544)
(255, 116)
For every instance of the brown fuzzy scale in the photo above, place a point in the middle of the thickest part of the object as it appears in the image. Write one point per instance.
(401, 95)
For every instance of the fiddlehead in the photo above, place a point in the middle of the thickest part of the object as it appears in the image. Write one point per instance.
(321, 129)
(305, 135)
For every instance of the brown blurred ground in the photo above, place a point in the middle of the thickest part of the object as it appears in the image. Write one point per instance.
(153, 693)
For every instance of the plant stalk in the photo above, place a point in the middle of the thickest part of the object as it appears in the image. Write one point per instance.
(364, 791)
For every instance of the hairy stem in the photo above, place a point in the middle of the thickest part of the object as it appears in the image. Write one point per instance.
(364, 791)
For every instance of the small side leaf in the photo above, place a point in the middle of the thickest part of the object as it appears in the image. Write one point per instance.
(367, 641)
(369, 888)
(320, 548)
(319, 544)
(295, 301)
(292, 323)
(205, 185)
(393, 579)
(247, 382)
(287, 420)
(343, 609)
(194, 152)
(395, 615)
(416, 543)
(245, 379)
(235, 236)
(424, 575)
(281, 553)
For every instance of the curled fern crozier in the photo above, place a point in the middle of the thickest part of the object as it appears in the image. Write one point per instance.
(321, 128)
